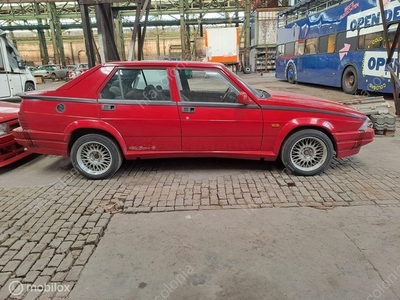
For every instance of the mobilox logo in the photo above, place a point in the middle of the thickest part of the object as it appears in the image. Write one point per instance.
(16, 288)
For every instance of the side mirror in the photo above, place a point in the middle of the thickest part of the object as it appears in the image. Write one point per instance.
(244, 99)
(21, 64)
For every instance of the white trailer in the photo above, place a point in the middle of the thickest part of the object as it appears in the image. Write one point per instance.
(222, 45)
(15, 78)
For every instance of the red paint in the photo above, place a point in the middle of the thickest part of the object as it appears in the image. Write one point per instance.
(10, 151)
(154, 131)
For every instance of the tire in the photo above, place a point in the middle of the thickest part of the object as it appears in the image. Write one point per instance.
(291, 75)
(299, 152)
(29, 86)
(91, 146)
(53, 77)
(350, 80)
(247, 70)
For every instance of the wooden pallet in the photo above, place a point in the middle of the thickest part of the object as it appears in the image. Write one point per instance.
(386, 132)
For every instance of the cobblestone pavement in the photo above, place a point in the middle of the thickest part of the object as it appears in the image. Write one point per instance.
(48, 233)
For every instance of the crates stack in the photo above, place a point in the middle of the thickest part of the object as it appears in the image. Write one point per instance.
(384, 124)
(377, 109)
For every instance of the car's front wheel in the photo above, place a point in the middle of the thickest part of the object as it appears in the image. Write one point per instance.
(96, 156)
(29, 86)
(307, 152)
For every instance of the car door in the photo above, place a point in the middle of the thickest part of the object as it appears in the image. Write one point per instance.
(138, 103)
(211, 117)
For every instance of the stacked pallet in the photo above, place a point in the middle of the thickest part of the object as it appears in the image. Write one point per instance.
(378, 110)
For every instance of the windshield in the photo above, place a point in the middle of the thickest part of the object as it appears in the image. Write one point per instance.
(259, 93)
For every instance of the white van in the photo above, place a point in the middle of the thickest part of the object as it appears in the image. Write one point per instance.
(15, 78)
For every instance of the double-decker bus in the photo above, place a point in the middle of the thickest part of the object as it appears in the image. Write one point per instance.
(336, 43)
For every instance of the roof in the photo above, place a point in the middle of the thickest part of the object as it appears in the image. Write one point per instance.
(163, 63)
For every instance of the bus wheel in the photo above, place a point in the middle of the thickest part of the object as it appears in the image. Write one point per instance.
(291, 75)
(350, 81)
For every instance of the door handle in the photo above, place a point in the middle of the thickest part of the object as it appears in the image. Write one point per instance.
(188, 109)
(108, 107)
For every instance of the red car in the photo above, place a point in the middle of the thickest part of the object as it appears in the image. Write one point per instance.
(158, 109)
(10, 150)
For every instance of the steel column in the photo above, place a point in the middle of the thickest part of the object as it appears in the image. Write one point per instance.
(106, 33)
(44, 54)
(56, 34)
(120, 36)
(182, 27)
(87, 31)
(247, 33)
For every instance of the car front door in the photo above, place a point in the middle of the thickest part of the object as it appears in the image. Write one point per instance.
(211, 117)
(138, 103)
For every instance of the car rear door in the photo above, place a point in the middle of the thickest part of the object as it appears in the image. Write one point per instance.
(138, 103)
(211, 117)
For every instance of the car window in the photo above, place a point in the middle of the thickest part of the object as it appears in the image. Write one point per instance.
(206, 86)
(138, 84)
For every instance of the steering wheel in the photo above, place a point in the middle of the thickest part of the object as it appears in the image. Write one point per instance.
(226, 95)
(229, 96)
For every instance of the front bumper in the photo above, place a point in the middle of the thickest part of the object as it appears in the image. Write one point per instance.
(350, 143)
(10, 150)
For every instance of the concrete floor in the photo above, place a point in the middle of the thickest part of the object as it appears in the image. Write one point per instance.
(301, 253)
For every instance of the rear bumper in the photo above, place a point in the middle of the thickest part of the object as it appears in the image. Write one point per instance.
(10, 150)
(47, 143)
(350, 143)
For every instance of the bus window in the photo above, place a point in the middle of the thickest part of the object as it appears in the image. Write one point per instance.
(299, 47)
(289, 49)
(281, 50)
(327, 44)
(342, 40)
(323, 44)
(311, 46)
(331, 43)
(372, 40)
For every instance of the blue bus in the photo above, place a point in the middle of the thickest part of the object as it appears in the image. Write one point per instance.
(336, 43)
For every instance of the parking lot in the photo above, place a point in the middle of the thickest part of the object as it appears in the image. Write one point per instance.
(52, 221)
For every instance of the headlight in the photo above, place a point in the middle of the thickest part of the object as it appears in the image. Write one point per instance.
(3, 129)
(364, 126)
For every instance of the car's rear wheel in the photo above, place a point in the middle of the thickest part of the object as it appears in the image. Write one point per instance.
(96, 156)
(53, 77)
(307, 152)
(350, 81)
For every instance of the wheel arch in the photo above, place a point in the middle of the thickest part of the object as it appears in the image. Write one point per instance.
(76, 130)
(286, 132)
(30, 82)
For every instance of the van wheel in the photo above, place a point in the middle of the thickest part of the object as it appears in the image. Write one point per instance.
(307, 152)
(350, 81)
(29, 86)
(96, 156)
